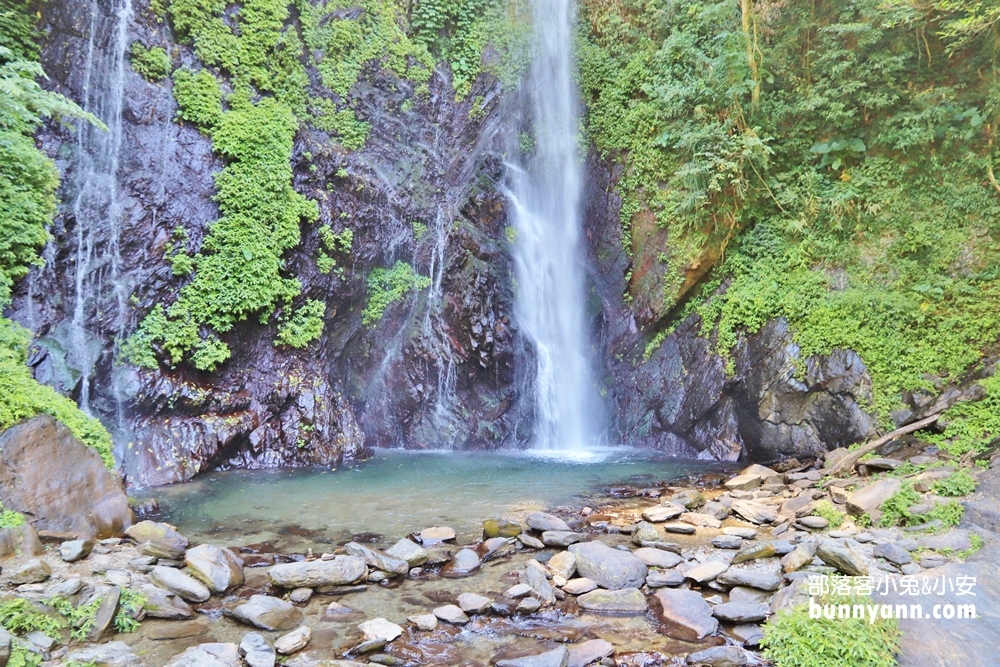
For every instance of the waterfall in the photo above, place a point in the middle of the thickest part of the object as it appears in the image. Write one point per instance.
(545, 196)
(97, 206)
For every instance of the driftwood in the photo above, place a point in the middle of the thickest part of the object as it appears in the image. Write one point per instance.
(847, 463)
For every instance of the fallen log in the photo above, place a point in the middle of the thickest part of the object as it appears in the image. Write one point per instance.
(847, 463)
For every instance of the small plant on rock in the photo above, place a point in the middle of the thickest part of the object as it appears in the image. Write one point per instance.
(959, 483)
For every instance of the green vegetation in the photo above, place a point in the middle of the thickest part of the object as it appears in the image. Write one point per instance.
(303, 326)
(826, 510)
(778, 144)
(792, 639)
(387, 286)
(896, 509)
(151, 63)
(10, 518)
(28, 183)
(959, 483)
(130, 604)
(972, 426)
(333, 243)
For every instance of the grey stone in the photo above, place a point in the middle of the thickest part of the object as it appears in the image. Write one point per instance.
(378, 560)
(557, 657)
(542, 521)
(208, 655)
(718, 656)
(844, 558)
(179, 583)
(702, 520)
(755, 551)
(561, 538)
(868, 500)
(685, 614)
(740, 531)
(764, 574)
(294, 641)
(892, 553)
(34, 571)
(300, 595)
(645, 532)
(755, 512)
(436, 534)
(464, 562)
(268, 613)
(530, 542)
(161, 603)
(151, 531)
(661, 578)
(799, 558)
(581, 585)
(219, 569)
(111, 654)
(740, 612)
(609, 568)
(313, 574)
(414, 554)
(529, 605)
(658, 558)
(105, 614)
(727, 541)
(256, 651)
(624, 600)
(451, 613)
(380, 629)
(520, 590)
(679, 528)
(536, 576)
(661, 513)
(563, 564)
(812, 523)
(425, 622)
(473, 603)
(954, 540)
(585, 653)
(75, 550)
(707, 571)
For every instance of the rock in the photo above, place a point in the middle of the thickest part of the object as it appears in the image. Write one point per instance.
(451, 613)
(623, 600)
(425, 622)
(685, 614)
(609, 568)
(473, 603)
(741, 612)
(645, 532)
(268, 613)
(563, 564)
(518, 591)
(464, 562)
(561, 538)
(579, 586)
(529, 606)
(379, 629)
(661, 513)
(892, 553)
(500, 528)
(679, 528)
(727, 541)
(762, 574)
(542, 522)
(812, 523)
(911, 569)
(755, 551)
(219, 569)
(164, 604)
(111, 654)
(839, 555)
(707, 571)
(179, 583)
(300, 595)
(869, 499)
(755, 512)
(658, 558)
(20, 540)
(436, 534)
(702, 520)
(661, 578)
(414, 554)
(718, 656)
(46, 473)
(313, 574)
(801, 556)
(530, 542)
(378, 560)
(75, 550)
(933, 560)
(688, 498)
(555, 658)
(208, 655)
(64, 588)
(536, 576)
(747, 482)
(163, 533)
(749, 634)
(294, 641)
(256, 651)
(105, 614)
(954, 540)
(161, 550)
(585, 653)
(494, 547)
(120, 578)
(739, 531)
(34, 571)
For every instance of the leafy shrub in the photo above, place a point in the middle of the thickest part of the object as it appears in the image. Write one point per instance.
(959, 483)
(151, 63)
(303, 326)
(971, 426)
(949, 513)
(826, 510)
(10, 518)
(130, 604)
(793, 639)
(199, 97)
(387, 286)
(896, 509)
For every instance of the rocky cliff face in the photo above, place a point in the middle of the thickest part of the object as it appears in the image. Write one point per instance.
(444, 367)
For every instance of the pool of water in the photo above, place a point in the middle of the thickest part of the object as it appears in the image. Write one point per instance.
(397, 492)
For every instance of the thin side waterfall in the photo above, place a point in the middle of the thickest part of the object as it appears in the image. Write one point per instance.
(545, 197)
(97, 206)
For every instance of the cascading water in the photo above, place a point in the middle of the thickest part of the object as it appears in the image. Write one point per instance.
(545, 197)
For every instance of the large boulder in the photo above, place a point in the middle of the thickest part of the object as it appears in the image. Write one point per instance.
(684, 614)
(219, 569)
(58, 482)
(609, 568)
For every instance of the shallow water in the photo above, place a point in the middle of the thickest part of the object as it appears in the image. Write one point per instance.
(397, 492)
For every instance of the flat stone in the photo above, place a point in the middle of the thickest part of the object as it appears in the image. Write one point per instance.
(747, 482)
(151, 531)
(111, 654)
(338, 571)
(256, 651)
(581, 585)
(520, 590)
(689, 498)
(702, 520)
(609, 568)
(377, 559)
(557, 657)
(933, 560)
(162, 603)
(268, 613)
(408, 550)
(801, 556)
(500, 528)
(658, 558)
(219, 569)
(661, 578)
(727, 541)
(119, 578)
(436, 534)
(563, 564)
(869, 499)
(179, 583)
(34, 571)
(529, 605)
(892, 553)
(588, 652)
(911, 569)
(300, 595)
(679, 528)
(718, 656)
(530, 542)
(755, 551)
(542, 521)
(105, 614)
(812, 522)
(425, 622)
(755, 512)
(294, 641)
(624, 600)
(75, 550)
(741, 612)
(954, 540)
(739, 531)
(161, 550)
(561, 538)
(380, 629)
(661, 513)
(473, 603)
(464, 562)
(844, 558)
(644, 532)
(748, 633)
(762, 574)
(536, 576)
(451, 613)
(707, 571)
(495, 547)
(208, 655)
(685, 614)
